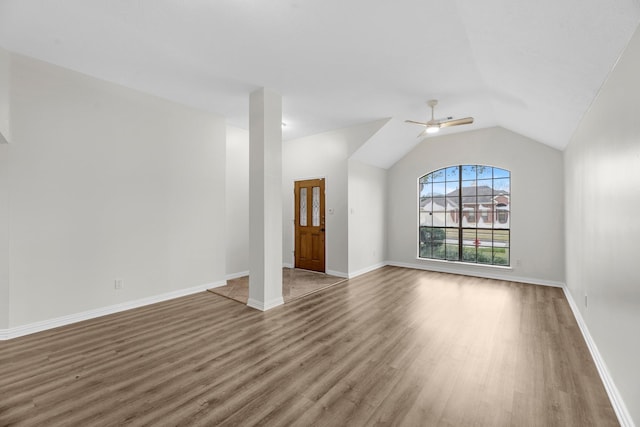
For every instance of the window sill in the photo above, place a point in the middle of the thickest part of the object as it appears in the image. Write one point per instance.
(472, 264)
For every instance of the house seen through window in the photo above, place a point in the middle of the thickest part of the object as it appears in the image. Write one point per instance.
(465, 214)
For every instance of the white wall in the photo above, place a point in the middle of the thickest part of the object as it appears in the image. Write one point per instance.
(5, 60)
(4, 189)
(602, 164)
(323, 156)
(4, 236)
(367, 208)
(237, 184)
(537, 245)
(107, 183)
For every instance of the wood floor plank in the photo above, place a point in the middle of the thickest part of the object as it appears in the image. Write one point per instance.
(392, 347)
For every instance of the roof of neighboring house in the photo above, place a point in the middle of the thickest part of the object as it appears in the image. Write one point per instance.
(482, 194)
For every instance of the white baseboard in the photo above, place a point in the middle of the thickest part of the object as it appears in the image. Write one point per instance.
(368, 269)
(32, 328)
(267, 305)
(488, 274)
(337, 273)
(287, 265)
(237, 275)
(624, 417)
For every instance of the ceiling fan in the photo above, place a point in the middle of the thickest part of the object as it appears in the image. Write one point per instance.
(433, 125)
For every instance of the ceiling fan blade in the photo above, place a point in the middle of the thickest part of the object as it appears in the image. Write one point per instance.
(456, 122)
(421, 134)
(415, 123)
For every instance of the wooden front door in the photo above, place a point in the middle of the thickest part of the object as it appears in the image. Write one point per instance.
(309, 224)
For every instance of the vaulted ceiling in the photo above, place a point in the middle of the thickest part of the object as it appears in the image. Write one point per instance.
(531, 67)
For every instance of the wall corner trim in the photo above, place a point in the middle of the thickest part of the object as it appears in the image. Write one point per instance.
(368, 269)
(237, 275)
(624, 417)
(337, 273)
(267, 305)
(32, 328)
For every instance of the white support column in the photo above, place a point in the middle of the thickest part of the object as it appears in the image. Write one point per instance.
(265, 200)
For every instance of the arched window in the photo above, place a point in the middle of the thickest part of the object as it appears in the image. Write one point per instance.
(464, 214)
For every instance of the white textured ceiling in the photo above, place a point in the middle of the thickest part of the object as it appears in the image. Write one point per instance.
(531, 67)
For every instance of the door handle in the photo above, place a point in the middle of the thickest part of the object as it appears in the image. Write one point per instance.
(322, 229)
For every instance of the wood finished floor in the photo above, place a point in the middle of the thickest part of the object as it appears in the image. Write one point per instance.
(296, 283)
(392, 347)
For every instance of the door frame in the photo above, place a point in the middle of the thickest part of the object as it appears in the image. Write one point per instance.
(293, 216)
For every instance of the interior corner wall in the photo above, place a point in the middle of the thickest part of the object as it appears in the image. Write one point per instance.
(4, 189)
(237, 226)
(602, 167)
(537, 182)
(5, 60)
(107, 183)
(323, 155)
(367, 207)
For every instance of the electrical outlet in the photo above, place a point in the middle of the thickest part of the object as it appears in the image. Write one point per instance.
(118, 284)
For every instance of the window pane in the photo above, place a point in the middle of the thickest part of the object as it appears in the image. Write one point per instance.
(485, 187)
(468, 192)
(469, 216)
(501, 173)
(501, 186)
(453, 203)
(452, 188)
(501, 238)
(468, 172)
(424, 246)
(452, 252)
(303, 207)
(484, 238)
(426, 190)
(452, 235)
(469, 237)
(438, 176)
(502, 217)
(453, 217)
(426, 219)
(501, 256)
(453, 173)
(484, 171)
(485, 255)
(425, 251)
(438, 204)
(469, 253)
(438, 252)
(439, 189)
(315, 218)
(435, 239)
(432, 236)
(485, 216)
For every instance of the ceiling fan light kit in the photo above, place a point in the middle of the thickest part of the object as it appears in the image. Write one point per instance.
(433, 125)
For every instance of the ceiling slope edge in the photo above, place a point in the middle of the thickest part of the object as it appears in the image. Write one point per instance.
(388, 145)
